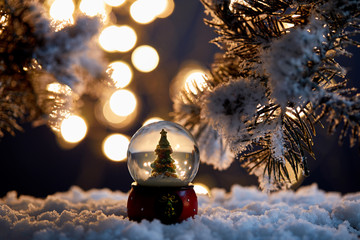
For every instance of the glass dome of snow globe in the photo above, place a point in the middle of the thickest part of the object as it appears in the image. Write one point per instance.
(163, 154)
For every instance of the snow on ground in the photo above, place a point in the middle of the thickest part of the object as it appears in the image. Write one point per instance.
(244, 213)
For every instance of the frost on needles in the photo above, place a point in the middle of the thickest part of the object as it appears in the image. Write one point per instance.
(277, 78)
(35, 52)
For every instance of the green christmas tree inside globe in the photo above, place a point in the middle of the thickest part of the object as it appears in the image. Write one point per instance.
(164, 164)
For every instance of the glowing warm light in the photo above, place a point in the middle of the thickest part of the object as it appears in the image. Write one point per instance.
(73, 129)
(200, 188)
(115, 38)
(122, 102)
(62, 10)
(107, 117)
(114, 3)
(146, 11)
(115, 147)
(195, 79)
(110, 116)
(295, 177)
(288, 25)
(145, 58)
(120, 72)
(167, 10)
(58, 88)
(152, 120)
(158, 6)
(93, 8)
(242, 2)
(142, 11)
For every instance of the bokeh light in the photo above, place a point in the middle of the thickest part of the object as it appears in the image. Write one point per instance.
(122, 102)
(120, 72)
(201, 189)
(142, 11)
(58, 88)
(195, 79)
(114, 3)
(167, 10)
(146, 11)
(108, 118)
(152, 120)
(145, 58)
(115, 147)
(93, 8)
(62, 10)
(118, 38)
(73, 129)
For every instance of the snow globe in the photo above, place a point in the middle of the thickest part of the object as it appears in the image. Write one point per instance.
(163, 159)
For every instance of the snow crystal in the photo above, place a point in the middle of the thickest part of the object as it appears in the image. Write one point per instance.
(214, 150)
(286, 63)
(231, 108)
(245, 213)
(63, 51)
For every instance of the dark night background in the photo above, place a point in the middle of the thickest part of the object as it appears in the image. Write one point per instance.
(32, 162)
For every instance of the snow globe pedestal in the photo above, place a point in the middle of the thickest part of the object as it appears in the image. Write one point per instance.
(163, 159)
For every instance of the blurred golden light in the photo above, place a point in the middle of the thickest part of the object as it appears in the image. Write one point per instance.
(152, 120)
(58, 88)
(106, 116)
(73, 129)
(167, 11)
(158, 6)
(120, 72)
(110, 116)
(295, 177)
(114, 3)
(195, 79)
(115, 38)
(62, 10)
(122, 102)
(288, 25)
(115, 147)
(202, 189)
(145, 58)
(142, 11)
(93, 8)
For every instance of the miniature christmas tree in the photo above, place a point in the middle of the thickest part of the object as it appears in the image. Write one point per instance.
(164, 164)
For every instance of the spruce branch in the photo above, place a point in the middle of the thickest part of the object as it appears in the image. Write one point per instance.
(277, 78)
(35, 53)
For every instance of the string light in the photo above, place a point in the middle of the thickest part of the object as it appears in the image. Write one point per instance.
(115, 147)
(120, 72)
(201, 189)
(118, 38)
(73, 129)
(114, 3)
(122, 102)
(62, 10)
(195, 79)
(170, 5)
(145, 58)
(146, 11)
(152, 120)
(93, 8)
(142, 11)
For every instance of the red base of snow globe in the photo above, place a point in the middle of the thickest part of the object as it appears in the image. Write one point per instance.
(168, 204)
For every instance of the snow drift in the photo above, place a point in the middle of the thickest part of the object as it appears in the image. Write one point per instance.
(244, 213)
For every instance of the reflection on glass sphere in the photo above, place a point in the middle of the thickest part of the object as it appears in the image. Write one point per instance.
(163, 154)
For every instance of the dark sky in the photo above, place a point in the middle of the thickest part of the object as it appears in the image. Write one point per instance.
(34, 164)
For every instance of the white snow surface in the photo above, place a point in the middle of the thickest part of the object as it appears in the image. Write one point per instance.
(244, 213)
